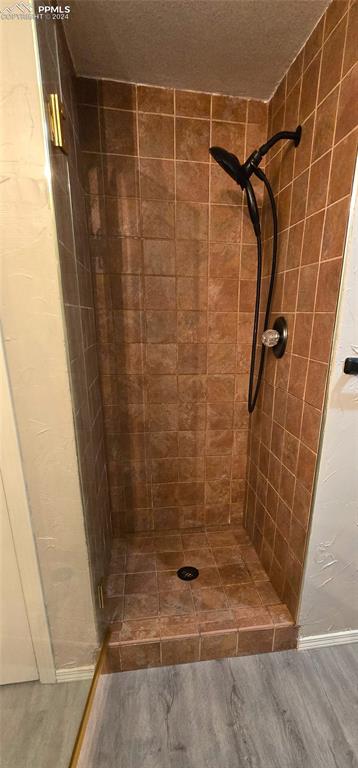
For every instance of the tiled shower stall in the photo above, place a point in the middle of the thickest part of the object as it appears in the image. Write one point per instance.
(167, 279)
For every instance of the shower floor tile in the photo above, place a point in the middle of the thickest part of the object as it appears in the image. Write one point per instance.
(230, 609)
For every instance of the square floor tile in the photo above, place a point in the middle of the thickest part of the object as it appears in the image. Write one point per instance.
(210, 599)
(174, 603)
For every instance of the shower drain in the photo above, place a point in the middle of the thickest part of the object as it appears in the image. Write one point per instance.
(188, 573)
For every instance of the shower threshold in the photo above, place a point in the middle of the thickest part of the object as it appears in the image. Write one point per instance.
(230, 609)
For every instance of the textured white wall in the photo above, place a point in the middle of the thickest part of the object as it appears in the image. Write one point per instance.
(33, 329)
(330, 590)
(237, 47)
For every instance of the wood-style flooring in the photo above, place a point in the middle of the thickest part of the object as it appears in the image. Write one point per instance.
(39, 723)
(294, 709)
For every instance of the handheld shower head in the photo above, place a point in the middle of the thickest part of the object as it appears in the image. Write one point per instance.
(241, 172)
(228, 162)
(231, 164)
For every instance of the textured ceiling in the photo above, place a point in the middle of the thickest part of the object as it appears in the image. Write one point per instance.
(238, 47)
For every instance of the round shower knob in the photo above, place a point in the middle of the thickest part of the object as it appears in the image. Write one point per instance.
(270, 337)
(276, 337)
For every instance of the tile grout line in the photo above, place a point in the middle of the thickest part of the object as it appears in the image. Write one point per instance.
(170, 114)
(143, 323)
(176, 275)
(239, 250)
(207, 289)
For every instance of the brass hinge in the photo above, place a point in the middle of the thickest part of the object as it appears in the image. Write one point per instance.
(57, 117)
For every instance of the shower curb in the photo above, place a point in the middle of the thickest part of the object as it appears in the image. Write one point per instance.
(201, 646)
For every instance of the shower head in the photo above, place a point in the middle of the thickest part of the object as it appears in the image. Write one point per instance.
(231, 164)
(241, 172)
(227, 161)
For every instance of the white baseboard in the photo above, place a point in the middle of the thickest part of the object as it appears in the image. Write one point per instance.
(332, 638)
(75, 673)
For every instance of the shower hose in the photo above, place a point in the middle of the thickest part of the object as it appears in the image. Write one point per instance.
(254, 390)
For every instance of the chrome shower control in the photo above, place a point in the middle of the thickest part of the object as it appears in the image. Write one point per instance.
(276, 337)
(270, 337)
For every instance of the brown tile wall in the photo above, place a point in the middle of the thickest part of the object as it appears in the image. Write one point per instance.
(313, 189)
(174, 265)
(78, 297)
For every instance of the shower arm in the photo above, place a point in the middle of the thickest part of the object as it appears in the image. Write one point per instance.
(252, 162)
(243, 172)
